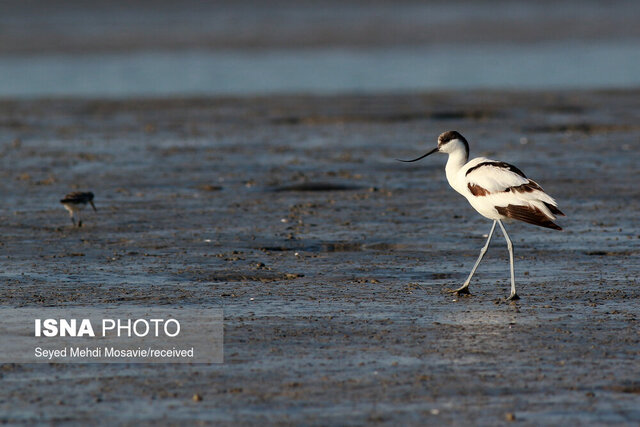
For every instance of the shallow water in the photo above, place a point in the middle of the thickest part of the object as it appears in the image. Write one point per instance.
(130, 49)
(575, 64)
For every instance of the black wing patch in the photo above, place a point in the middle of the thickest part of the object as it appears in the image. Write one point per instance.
(528, 214)
(476, 190)
(554, 209)
(502, 165)
(525, 188)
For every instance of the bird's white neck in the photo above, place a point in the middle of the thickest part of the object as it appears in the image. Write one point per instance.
(457, 159)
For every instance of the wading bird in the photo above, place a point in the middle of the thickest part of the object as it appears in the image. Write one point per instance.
(75, 202)
(498, 191)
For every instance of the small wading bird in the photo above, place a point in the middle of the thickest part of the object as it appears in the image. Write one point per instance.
(498, 191)
(75, 202)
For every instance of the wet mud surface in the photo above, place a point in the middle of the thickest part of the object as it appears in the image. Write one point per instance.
(330, 259)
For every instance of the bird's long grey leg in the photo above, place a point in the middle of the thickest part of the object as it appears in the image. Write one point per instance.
(73, 218)
(465, 288)
(513, 295)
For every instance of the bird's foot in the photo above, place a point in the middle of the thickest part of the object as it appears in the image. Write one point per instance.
(79, 224)
(513, 297)
(464, 290)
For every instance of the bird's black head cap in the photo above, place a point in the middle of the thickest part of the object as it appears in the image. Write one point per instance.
(452, 135)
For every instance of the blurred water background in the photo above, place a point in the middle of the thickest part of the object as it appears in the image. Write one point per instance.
(167, 48)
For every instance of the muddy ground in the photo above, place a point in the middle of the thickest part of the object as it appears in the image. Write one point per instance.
(330, 259)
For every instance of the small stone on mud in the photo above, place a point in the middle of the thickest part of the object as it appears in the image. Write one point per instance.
(209, 187)
(197, 397)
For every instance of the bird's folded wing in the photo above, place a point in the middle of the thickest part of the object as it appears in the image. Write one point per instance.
(76, 197)
(491, 177)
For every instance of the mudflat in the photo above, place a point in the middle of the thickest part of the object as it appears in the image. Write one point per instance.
(332, 261)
